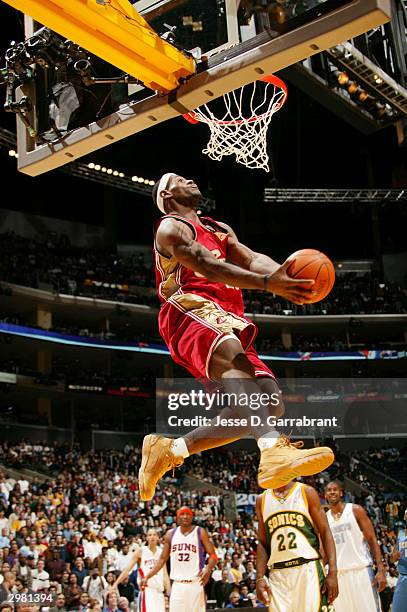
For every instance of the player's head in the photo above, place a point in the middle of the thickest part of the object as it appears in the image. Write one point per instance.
(283, 487)
(173, 193)
(185, 516)
(333, 492)
(152, 537)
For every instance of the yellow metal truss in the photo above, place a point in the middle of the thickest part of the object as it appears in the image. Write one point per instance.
(117, 33)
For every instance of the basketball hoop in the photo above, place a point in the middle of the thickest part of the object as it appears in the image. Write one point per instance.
(240, 129)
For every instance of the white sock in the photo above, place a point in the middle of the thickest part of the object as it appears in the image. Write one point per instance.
(179, 448)
(268, 440)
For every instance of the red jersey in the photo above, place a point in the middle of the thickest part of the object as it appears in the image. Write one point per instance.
(173, 279)
(197, 314)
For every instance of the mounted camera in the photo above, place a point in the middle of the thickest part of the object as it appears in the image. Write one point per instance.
(60, 77)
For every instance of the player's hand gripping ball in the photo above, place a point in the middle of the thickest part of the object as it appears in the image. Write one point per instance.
(312, 264)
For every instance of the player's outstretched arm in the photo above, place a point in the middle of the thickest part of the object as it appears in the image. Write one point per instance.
(162, 559)
(262, 587)
(176, 239)
(209, 548)
(368, 531)
(127, 570)
(321, 522)
(167, 582)
(241, 255)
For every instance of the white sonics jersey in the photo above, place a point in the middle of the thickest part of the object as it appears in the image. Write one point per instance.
(187, 555)
(289, 528)
(147, 562)
(351, 548)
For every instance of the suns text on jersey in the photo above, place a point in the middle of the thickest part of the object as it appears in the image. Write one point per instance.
(183, 547)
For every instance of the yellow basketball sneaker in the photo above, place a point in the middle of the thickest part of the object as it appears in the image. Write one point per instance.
(287, 460)
(157, 458)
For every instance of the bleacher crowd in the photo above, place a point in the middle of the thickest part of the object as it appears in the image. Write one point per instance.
(71, 532)
(55, 264)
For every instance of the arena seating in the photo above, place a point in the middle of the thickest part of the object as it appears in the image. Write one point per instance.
(53, 262)
(84, 504)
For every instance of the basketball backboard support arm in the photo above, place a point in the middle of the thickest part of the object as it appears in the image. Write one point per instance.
(151, 8)
(225, 71)
(118, 34)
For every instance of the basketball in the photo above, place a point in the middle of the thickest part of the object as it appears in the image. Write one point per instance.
(309, 263)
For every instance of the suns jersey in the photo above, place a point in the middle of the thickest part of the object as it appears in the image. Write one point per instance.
(352, 551)
(175, 281)
(186, 554)
(290, 532)
(147, 561)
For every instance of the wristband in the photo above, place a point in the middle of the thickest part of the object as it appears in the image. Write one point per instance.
(265, 279)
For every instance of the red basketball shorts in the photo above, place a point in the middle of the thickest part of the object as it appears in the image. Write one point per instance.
(192, 336)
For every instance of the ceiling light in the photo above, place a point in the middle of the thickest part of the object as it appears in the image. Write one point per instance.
(343, 77)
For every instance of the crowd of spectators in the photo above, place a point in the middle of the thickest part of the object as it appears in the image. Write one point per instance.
(237, 470)
(334, 344)
(72, 531)
(352, 294)
(390, 461)
(71, 535)
(55, 263)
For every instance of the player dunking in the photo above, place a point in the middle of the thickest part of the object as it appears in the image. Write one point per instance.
(291, 522)
(354, 535)
(201, 268)
(152, 597)
(186, 546)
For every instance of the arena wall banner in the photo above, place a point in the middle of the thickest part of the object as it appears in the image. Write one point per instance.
(154, 348)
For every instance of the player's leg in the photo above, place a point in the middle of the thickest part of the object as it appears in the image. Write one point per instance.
(160, 454)
(220, 356)
(282, 582)
(154, 601)
(196, 597)
(237, 371)
(344, 603)
(177, 597)
(399, 603)
(231, 366)
(356, 593)
(299, 589)
(187, 597)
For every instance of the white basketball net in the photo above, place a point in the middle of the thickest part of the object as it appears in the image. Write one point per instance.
(242, 129)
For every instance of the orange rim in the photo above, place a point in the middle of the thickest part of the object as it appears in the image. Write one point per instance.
(192, 117)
